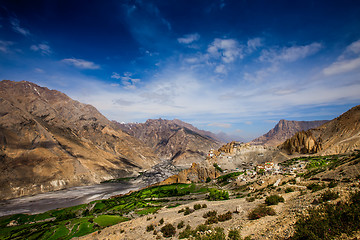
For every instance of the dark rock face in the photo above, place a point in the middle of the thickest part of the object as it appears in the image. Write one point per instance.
(339, 135)
(173, 139)
(284, 130)
(49, 141)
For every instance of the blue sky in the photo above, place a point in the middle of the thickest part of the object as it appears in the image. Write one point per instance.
(232, 66)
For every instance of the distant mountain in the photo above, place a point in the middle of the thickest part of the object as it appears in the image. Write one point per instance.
(173, 139)
(49, 141)
(283, 130)
(339, 135)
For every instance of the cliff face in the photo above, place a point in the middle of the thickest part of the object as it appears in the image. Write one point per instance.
(197, 173)
(173, 139)
(339, 135)
(49, 141)
(283, 130)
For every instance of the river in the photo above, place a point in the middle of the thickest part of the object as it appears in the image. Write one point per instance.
(63, 198)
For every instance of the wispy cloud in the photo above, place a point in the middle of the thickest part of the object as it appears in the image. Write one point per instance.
(189, 38)
(81, 63)
(253, 44)
(43, 48)
(15, 23)
(290, 54)
(127, 80)
(228, 50)
(221, 125)
(4, 46)
(348, 61)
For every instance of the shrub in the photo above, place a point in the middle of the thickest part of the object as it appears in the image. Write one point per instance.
(188, 211)
(161, 221)
(224, 217)
(315, 187)
(250, 199)
(289, 189)
(332, 184)
(210, 214)
(328, 195)
(208, 179)
(216, 195)
(197, 206)
(211, 220)
(180, 225)
(260, 211)
(330, 220)
(150, 228)
(217, 167)
(186, 233)
(204, 206)
(168, 230)
(234, 234)
(274, 200)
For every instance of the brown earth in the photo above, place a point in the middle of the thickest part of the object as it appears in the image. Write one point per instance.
(49, 141)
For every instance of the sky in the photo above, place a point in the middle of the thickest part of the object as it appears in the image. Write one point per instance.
(236, 67)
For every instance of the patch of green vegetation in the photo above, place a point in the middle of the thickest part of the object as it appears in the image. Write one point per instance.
(217, 167)
(86, 218)
(230, 176)
(330, 220)
(148, 210)
(289, 189)
(108, 220)
(218, 195)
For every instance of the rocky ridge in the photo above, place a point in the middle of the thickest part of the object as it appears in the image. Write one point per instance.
(339, 135)
(49, 141)
(173, 139)
(283, 130)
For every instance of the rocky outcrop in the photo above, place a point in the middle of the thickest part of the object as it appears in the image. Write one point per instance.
(49, 141)
(197, 173)
(285, 129)
(302, 142)
(339, 135)
(173, 139)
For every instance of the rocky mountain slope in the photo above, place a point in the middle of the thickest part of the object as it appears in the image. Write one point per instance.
(173, 139)
(49, 141)
(283, 130)
(339, 135)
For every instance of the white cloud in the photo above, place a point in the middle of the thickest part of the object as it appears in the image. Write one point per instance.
(220, 69)
(228, 50)
(81, 63)
(43, 48)
(127, 81)
(260, 75)
(348, 61)
(290, 54)
(221, 125)
(39, 70)
(4, 46)
(15, 23)
(342, 66)
(253, 44)
(189, 38)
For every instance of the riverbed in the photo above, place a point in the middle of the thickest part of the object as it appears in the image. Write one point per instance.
(64, 198)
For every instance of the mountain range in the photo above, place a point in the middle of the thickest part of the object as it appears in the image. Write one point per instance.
(49, 141)
(283, 130)
(174, 139)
